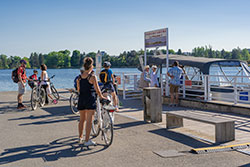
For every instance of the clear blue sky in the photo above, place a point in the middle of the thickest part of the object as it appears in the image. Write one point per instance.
(117, 25)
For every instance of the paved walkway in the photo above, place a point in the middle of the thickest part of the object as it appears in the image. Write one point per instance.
(48, 137)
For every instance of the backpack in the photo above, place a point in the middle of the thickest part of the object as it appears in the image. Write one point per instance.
(14, 76)
(104, 76)
(76, 78)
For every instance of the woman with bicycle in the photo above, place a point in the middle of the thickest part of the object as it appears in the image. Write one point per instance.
(87, 87)
(45, 82)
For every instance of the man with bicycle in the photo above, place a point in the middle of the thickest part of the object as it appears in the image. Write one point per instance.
(108, 80)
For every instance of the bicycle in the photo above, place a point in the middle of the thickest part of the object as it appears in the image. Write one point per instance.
(38, 95)
(73, 101)
(53, 89)
(103, 121)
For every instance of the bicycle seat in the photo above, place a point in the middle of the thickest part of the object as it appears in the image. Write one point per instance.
(105, 101)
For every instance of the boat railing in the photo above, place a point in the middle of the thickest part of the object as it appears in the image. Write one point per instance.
(210, 88)
(203, 88)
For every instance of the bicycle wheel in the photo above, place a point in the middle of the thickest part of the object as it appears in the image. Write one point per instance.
(34, 98)
(73, 103)
(42, 97)
(95, 125)
(55, 93)
(107, 128)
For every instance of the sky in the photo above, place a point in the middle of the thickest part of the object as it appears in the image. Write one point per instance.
(115, 26)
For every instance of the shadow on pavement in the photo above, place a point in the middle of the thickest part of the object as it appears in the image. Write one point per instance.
(246, 165)
(56, 115)
(181, 138)
(129, 124)
(60, 148)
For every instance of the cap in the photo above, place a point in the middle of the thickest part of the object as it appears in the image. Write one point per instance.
(23, 61)
(154, 66)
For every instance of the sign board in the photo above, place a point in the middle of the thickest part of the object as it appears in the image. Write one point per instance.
(155, 38)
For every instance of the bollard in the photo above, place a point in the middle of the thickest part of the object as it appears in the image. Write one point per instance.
(152, 103)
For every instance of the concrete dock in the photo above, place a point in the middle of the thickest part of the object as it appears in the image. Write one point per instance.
(48, 137)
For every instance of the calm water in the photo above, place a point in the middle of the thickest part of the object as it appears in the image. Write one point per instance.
(64, 78)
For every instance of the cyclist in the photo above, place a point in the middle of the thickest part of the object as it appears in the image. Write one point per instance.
(108, 79)
(87, 87)
(45, 83)
(77, 77)
(21, 73)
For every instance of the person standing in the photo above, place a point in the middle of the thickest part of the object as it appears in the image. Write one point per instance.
(45, 83)
(175, 74)
(87, 87)
(21, 73)
(145, 78)
(154, 80)
(108, 79)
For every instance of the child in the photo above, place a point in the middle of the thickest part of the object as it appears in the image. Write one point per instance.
(33, 77)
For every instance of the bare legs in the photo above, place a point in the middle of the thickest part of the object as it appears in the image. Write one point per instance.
(20, 98)
(85, 115)
(174, 98)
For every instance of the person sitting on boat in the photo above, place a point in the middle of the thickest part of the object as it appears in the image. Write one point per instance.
(145, 79)
(154, 80)
(175, 74)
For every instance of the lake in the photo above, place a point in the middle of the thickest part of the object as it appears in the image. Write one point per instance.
(64, 78)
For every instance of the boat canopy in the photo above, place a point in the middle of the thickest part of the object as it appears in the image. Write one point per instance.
(202, 63)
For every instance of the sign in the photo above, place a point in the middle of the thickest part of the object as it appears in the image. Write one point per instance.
(155, 38)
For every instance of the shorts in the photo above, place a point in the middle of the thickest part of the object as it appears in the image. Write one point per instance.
(86, 103)
(174, 88)
(21, 89)
(109, 86)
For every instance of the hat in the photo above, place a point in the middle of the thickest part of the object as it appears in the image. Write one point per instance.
(23, 61)
(154, 66)
(146, 67)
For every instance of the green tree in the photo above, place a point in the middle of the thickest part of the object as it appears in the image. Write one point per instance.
(75, 59)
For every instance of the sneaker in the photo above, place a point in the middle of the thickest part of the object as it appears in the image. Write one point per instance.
(54, 101)
(20, 107)
(171, 105)
(24, 106)
(80, 140)
(90, 143)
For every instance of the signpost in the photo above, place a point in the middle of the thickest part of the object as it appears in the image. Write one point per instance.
(155, 39)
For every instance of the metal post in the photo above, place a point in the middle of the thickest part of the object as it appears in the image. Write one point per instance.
(208, 88)
(124, 90)
(161, 79)
(167, 63)
(205, 87)
(135, 83)
(235, 91)
(184, 86)
(145, 50)
(166, 86)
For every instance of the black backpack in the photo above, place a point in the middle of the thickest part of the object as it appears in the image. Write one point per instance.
(14, 76)
(104, 76)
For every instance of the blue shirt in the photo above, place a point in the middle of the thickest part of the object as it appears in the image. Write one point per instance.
(177, 73)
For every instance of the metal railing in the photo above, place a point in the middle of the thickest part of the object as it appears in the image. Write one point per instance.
(207, 88)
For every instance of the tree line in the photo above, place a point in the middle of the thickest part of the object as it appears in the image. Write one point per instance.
(64, 59)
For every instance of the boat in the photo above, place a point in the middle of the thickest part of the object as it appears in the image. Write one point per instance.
(223, 78)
